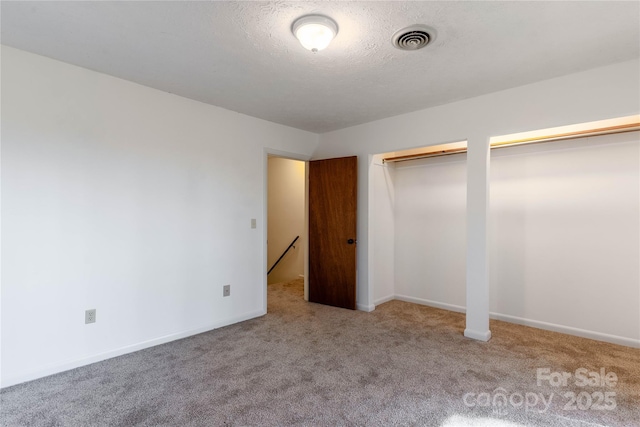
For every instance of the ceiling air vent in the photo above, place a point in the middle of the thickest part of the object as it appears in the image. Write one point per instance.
(413, 38)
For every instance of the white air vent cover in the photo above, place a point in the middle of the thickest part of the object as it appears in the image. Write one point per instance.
(413, 38)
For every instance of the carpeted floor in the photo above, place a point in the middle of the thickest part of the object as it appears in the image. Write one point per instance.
(308, 364)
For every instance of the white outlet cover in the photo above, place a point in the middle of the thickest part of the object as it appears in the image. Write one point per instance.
(90, 316)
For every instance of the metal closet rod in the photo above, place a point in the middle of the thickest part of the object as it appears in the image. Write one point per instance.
(630, 127)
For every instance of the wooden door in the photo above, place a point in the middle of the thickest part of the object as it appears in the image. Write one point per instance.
(333, 189)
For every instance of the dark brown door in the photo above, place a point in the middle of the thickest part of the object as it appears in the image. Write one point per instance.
(333, 190)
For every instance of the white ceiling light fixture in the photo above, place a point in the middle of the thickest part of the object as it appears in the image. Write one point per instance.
(315, 32)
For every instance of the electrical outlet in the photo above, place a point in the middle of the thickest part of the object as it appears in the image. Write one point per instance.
(253, 223)
(90, 316)
(226, 290)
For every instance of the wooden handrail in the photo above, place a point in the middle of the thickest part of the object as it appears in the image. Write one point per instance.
(283, 254)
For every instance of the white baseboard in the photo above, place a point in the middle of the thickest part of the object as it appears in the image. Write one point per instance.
(435, 304)
(9, 380)
(364, 307)
(598, 336)
(384, 299)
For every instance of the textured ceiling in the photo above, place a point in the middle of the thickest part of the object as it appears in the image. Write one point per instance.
(242, 56)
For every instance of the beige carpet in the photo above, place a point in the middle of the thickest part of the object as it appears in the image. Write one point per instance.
(307, 364)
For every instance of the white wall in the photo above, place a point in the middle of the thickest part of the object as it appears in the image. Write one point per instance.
(382, 230)
(564, 241)
(597, 94)
(285, 212)
(565, 221)
(430, 225)
(128, 200)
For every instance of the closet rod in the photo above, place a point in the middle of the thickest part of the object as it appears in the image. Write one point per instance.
(609, 130)
(425, 155)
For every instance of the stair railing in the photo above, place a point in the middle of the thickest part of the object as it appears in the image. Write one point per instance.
(283, 254)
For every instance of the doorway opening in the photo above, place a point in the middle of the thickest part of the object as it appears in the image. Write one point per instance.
(286, 226)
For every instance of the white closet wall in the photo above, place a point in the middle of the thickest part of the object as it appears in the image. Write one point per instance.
(564, 235)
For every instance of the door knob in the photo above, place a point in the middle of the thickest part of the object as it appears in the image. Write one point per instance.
(351, 241)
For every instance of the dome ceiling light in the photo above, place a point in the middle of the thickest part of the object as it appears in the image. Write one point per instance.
(314, 32)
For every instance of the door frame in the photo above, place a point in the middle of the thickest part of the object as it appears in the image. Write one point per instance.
(270, 152)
